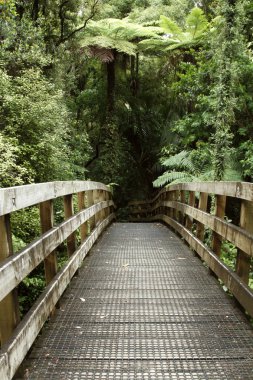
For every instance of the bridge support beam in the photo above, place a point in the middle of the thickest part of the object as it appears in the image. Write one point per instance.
(9, 307)
(246, 222)
(220, 206)
(81, 206)
(68, 211)
(47, 222)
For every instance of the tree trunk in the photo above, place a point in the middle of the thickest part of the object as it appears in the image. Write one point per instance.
(111, 85)
(35, 10)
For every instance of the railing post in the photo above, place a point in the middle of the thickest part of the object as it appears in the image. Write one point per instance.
(203, 198)
(182, 200)
(90, 200)
(9, 307)
(46, 223)
(191, 202)
(220, 206)
(107, 198)
(68, 211)
(246, 222)
(96, 199)
(81, 205)
(102, 199)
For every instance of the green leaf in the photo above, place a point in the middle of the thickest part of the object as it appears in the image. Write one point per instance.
(196, 22)
(170, 27)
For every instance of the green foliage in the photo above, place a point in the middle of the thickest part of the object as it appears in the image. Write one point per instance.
(11, 173)
(25, 225)
(195, 165)
(29, 290)
(116, 34)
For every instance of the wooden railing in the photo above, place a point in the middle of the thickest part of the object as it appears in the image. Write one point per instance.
(191, 208)
(95, 213)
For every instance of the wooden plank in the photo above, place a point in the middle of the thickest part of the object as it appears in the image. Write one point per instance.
(189, 220)
(236, 235)
(12, 355)
(47, 222)
(246, 222)
(90, 201)
(96, 199)
(241, 190)
(16, 198)
(102, 199)
(233, 282)
(68, 212)
(220, 206)
(9, 307)
(81, 206)
(15, 268)
(203, 198)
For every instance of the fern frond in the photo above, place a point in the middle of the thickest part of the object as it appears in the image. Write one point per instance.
(196, 22)
(232, 175)
(169, 177)
(110, 43)
(155, 45)
(179, 160)
(170, 27)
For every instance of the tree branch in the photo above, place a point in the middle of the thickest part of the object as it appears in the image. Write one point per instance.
(92, 14)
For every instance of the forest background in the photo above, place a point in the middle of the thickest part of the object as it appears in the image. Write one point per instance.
(133, 93)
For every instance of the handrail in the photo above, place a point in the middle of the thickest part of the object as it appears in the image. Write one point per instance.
(19, 197)
(95, 213)
(187, 209)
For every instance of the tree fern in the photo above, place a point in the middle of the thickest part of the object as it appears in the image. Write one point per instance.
(172, 177)
(196, 23)
(107, 42)
(175, 37)
(116, 34)
(183, 168)
(179, 160)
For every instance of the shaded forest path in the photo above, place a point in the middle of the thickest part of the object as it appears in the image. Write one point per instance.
(143, 307)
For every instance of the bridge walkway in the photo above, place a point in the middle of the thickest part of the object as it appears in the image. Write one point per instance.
(143, 307)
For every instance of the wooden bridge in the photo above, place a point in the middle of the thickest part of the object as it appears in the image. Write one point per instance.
(148, 301)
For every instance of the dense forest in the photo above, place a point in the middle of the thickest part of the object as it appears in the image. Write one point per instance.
(133, 93)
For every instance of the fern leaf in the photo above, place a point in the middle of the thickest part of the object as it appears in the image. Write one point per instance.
(176, 160)
(110, 43)
(169, 177)
(155, 45)
(196, 22)
(170, 27)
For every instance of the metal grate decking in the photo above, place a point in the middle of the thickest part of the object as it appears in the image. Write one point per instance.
(143, 307)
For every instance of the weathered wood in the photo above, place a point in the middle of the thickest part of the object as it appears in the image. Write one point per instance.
(27, 331)
(220, 206)
(33, 254)
(236, 235)
(182, 200)
(96, 199)
(102, 199)
(47, 222)
(90, 201)
(81, 206)
(246, 222)
(9, 308)
(107, 210)
(68, 212)
(232, 281)
(241, 190)
(16, 198)
(189, 220)
(203, 198)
